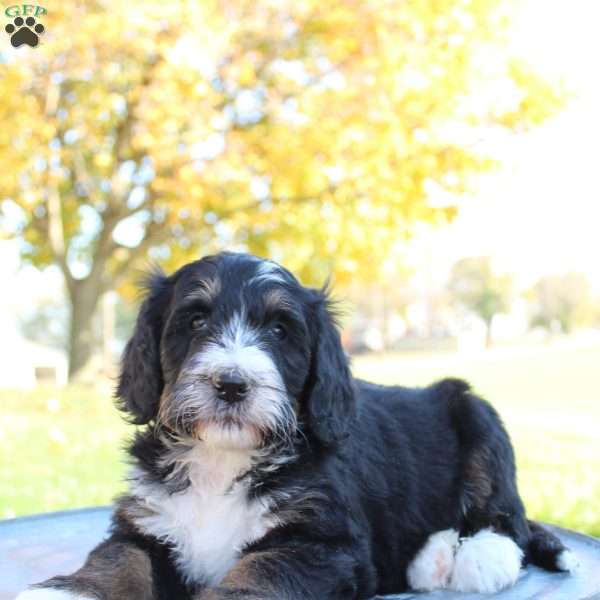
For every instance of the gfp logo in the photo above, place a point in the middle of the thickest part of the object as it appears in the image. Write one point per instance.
(24, 29)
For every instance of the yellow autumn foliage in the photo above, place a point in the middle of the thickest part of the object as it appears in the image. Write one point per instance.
(315, 132)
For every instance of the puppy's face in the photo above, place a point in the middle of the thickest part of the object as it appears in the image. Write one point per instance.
(231, 349)
(234, 351)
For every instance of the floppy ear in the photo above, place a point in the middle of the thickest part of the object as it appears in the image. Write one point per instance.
(331, 402)
(141, 378)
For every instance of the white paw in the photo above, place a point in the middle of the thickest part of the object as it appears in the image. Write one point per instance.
(432, 566)
(49, 594)
(486, 563)
(567, 561)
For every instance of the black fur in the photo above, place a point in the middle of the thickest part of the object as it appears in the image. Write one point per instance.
(141, 380)
(370, 471)
(331, 397)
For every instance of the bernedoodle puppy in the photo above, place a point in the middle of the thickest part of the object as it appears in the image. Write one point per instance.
(264, 471)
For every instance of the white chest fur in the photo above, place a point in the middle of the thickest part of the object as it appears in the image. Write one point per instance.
(210, 522)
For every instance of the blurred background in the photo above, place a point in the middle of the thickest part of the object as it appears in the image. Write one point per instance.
(438, 158)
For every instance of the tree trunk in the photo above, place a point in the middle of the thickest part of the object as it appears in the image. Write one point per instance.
(84, 300)
(488, 334)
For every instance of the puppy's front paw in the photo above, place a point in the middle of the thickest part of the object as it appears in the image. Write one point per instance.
(431, 568)
(50, 594)
(486, 563)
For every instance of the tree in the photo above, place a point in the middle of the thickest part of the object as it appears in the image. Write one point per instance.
(562, 299)
(478, 289)
(315, 132)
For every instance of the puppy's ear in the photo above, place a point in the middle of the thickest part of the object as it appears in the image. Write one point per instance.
(141, 378)
(331, 401)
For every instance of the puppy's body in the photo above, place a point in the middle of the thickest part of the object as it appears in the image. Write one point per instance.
(266, 472)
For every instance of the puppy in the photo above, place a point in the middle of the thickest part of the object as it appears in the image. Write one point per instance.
(264, 471)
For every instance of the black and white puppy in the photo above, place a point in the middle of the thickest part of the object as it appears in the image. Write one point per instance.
(264, 471)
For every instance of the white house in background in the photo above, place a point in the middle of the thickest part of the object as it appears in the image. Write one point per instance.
(24, 364)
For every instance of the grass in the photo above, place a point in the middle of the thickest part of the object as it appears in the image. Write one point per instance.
(63, 448)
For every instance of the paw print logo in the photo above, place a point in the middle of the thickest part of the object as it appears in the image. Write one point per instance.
(24, 32)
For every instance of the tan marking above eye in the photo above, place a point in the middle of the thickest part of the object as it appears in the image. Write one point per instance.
(206, 290)
(277, 298)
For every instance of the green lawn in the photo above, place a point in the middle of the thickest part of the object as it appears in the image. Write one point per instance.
(63, 448)
(60, 449)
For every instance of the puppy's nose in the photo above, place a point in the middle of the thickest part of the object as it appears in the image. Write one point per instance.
(231, 387)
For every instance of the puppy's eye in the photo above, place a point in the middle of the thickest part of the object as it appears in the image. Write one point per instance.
(197, 322)
(279, 331)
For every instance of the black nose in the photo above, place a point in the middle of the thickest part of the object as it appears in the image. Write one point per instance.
(231, 387)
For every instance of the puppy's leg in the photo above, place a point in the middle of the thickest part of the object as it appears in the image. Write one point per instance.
(115, 570)
(490, 495)
(547, 551)
(432, 566)
(298, 572)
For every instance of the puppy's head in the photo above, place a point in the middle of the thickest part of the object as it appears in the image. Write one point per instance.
(232, 350)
